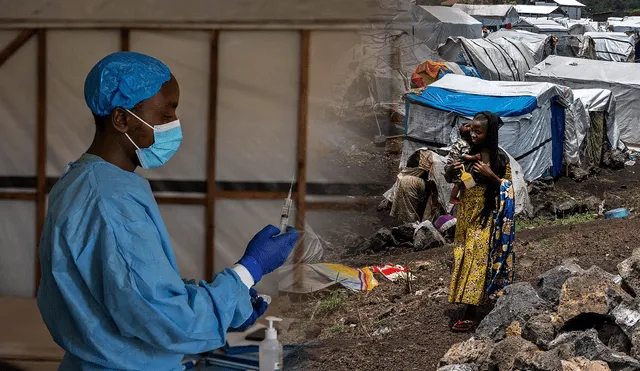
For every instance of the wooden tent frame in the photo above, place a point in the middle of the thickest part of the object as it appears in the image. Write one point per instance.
(212, 194)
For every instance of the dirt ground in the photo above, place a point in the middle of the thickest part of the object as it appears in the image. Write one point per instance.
(389, 327)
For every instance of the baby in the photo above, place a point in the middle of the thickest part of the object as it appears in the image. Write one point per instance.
(460, 153)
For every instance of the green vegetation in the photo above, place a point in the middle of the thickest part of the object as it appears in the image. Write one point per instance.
(524, 224)
(331, 302)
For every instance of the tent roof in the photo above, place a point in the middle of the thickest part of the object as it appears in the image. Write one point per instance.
(450, 15)
(544, 24)
(187, 14)
(578, 69)
(519, 35)
(536, 9)
(474, 86)
(613, 36)
(569, 3)
(486, 10)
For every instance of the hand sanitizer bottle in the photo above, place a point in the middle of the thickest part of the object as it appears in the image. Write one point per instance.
(270, 349)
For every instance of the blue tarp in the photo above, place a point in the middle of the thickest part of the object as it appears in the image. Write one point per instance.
(470, 104)
(557, 138)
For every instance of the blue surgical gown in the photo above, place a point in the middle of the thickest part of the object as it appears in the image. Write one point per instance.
(111, 294)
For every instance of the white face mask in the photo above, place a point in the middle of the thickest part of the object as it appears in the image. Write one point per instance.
(166, 141)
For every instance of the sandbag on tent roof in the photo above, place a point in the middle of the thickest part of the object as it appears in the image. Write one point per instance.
(494, 59)
(540, 45)
(541, 120)
(623, 79)
(575, 47)
(434, 24)
(614, 46)
(540, 25)
(491, 15)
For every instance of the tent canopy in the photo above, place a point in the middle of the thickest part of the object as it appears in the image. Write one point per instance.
(569, 3)
(540, 45)
(539, 25)
(490, 15)
(536, 9)
(434, 24)
(623, 79)
(613, 46)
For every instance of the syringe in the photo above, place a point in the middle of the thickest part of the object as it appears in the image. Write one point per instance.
(284, 216)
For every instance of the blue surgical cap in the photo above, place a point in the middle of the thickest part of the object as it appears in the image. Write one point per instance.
(123, 79)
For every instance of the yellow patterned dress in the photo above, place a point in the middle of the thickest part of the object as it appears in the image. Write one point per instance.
(471, 249)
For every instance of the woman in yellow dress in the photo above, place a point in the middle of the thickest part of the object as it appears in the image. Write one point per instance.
(475, 227)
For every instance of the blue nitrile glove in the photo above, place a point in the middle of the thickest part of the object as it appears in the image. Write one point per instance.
(267, 251)
(259, 307)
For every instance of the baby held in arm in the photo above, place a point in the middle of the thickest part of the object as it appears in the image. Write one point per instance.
(459, 153)
(460, 184)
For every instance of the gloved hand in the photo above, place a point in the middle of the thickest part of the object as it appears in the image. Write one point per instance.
(259, 307)
(267, 251)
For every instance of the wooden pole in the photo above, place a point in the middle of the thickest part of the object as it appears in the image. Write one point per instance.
(124, 39)
(41, 153)
(16, 44)
(211, 157)
(303, 110)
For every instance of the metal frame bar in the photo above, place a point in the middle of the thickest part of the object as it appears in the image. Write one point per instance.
(40, 194)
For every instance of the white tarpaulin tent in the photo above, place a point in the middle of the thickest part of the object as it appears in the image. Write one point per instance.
(538, 10)
(575, 47)
(497, 59)
(601, 100)
(434, 24)
(542, 26)
(578, 26)
(614, 46)
(540, 45)
(490, 15)
(623, 79)
(542, 121)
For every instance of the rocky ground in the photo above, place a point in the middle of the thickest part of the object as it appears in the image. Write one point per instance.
(408, 328)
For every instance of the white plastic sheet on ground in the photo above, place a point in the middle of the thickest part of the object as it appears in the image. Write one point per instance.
(623, 79)
(496, 59)
(614, 46)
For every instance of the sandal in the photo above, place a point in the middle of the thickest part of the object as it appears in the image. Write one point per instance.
(463, 326)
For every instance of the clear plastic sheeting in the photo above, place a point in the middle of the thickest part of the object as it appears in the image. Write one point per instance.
(237, 221)
(601, 100)
(186, 227)
(495, 59)
(17, 248)
(17, 109)
(192, 74)
(623, 79)
(614, 46)
(540, 46)
(434, 24)
(70, 124)
(256, 137)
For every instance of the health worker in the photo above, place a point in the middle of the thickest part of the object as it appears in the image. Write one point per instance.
(111, 294)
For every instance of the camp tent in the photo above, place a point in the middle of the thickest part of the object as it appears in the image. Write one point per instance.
(539, 11)
(623, 79)
(614, 46)
(540, 45)
(625, 25)
(493, 16)
(541, 119)
(601, 105)
(495, 59)
(434, 24)
(575, 47)
(542, 26)
(578, 26)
